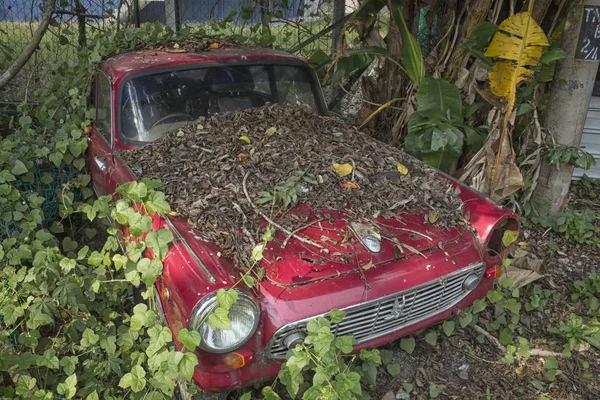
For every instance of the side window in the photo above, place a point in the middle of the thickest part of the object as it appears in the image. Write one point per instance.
(103, 107)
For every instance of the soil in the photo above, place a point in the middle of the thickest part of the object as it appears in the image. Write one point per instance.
(207, 167)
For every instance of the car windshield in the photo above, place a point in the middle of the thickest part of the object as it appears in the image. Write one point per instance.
(154, 104)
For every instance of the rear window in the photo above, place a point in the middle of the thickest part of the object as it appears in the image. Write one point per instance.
(154, 104)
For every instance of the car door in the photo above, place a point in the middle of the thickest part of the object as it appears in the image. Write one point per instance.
(100, 148)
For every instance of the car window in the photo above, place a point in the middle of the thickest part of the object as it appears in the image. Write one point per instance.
(103, 107)
(155, 103)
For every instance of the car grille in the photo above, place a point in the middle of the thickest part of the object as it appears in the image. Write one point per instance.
(376, 318)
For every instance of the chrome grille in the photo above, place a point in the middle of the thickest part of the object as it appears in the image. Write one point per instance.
(376, 318)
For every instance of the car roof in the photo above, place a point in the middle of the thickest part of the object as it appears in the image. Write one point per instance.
(135, 61)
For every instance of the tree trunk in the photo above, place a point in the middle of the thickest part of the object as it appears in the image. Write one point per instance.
(477, 11)
(14, 68)
(565, 115)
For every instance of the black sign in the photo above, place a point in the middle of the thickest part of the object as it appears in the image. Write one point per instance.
(589, 36)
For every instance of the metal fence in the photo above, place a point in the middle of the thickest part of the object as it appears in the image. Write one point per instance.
(290, 22)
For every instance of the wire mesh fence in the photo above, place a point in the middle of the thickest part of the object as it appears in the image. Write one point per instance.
(283, 24)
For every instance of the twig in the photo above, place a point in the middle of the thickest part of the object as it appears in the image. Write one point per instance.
(244, 229)
(298, 230)
(532, 352)
(269, 220)
(544, 353)
(490, 337)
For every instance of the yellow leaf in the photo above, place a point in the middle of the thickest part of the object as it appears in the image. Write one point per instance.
(271, 131)
(368, 265)
(502, 75)
(402, 169)
(432, 217)
(509, 237)
(176, 46)
(518, 43)
(180, 133)
(342, 169)
(245, 139)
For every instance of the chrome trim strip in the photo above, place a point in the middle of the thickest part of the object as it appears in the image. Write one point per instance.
(300, 324)
(203, 266)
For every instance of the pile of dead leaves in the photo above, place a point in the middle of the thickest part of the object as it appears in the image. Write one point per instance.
(223, 172)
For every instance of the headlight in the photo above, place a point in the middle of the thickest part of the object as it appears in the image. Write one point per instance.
(244, 321)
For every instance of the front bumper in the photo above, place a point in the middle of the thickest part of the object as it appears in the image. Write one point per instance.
(220, 378)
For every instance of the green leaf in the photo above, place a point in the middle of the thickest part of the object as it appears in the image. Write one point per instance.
(219, 319)
(248, 280)
(478, 306)
(551, 363)
(448, 327)
(24, 385)
(149, 269)
(11, 313)
(408, 344)
(465, 320)
(411, 57)
(93, 396)
(89, 338)
(186, 366)
(434, 392)
(506, 337)
(386, 356)
(336, 315)
(227, 297)
(494, 296)
(408, 387)
(69, 387)
(393, 369)
(6, 176)
(344, 343)
(190, 340)
(438, 98)
(19, 168)
(431, 338)
(159, 242)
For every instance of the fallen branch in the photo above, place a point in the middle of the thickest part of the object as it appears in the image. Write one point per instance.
(298, 230)
(532, 352)
(490, 337)
(14, 68)
(270, 221)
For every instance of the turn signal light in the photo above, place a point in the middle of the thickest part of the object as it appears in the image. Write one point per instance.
(237, 359)
(494, 272)
(165, 294)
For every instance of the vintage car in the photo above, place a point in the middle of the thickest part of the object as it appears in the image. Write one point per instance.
(141, 95)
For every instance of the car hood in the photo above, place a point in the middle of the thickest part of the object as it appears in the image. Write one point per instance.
(329, 246)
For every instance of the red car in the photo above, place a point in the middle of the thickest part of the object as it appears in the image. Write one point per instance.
(141, 95)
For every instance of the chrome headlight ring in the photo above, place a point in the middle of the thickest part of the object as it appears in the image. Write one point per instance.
(244, 316)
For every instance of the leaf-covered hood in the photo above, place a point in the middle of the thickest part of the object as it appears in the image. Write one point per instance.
(288, 261)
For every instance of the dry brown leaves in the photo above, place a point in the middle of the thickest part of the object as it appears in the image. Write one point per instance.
(203, 168)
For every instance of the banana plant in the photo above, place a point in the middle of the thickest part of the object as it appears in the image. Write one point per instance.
(517, 47)
(437, 133)
(411, 57)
